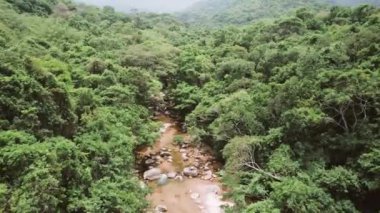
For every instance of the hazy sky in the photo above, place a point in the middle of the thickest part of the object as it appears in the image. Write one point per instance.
(146, 5)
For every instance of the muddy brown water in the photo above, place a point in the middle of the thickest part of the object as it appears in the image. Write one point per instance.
(191, 195)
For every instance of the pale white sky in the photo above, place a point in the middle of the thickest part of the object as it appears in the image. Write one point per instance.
(145, 5)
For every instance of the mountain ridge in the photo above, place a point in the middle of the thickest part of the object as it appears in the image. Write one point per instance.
(241, 12)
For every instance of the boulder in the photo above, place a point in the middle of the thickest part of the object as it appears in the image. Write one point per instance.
(165, 153)
(161, 208)
(179, 178)
(172, 175)
(152, 174)
(163, 179)
(196, 164)
(184, 157)
(184, 128)
(195, 196)
(207, 175)
(164, 127)
(190, 171)
(149, 161)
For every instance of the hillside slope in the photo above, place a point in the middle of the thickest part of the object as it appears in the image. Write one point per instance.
(292, 106)
(230, 12)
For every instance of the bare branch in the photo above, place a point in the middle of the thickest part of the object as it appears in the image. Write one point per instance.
(236, 125)
(251, 163)
(255, 167)
(355, 116)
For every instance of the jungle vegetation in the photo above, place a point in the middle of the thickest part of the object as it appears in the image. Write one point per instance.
(217, 13)
(291, 104)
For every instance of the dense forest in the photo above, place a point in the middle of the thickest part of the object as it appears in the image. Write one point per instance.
(291, 104)
(216, 13)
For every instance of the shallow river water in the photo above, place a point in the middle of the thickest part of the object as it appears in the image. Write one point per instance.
(183, 194)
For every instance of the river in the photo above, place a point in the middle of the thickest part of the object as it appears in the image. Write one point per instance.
(200, 191)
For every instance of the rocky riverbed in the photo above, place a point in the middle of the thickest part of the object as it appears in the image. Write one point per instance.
(182, 176)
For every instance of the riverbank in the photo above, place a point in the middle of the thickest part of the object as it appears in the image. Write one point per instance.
(182, 176)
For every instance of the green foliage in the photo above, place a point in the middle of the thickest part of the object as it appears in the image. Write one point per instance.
(291, 105)
(224, 12)
(21, 95)
(338, 180)
(179, 139)
(239, 12)
(3, 194)
(281, 163)
(238, 151)
(38, 7)
(369, 168)
(186, 96)
(297, 196)
(112, 196)
(266, 206)
(70, 114)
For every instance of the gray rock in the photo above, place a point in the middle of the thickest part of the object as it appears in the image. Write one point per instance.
(196, 164)
(163, 180)
(184, 128)
(161, 208)
(207, 175)
(190, 171)
(149, 161)
(152, 174)
(172, 175)
(195, 196)
(184, 157)
(165, 153)
(179, 178)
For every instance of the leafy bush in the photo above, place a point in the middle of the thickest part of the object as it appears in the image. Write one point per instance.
(178, 139)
